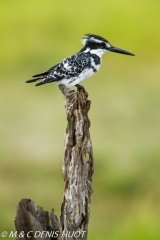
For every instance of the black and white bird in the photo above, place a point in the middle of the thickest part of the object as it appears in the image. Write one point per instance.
(80, 66)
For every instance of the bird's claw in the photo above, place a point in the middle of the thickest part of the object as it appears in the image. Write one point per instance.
(80, 87)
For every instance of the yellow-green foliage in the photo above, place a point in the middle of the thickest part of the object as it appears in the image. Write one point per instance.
(125, 111)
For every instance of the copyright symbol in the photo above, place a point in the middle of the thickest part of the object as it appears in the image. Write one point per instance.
(4, 234)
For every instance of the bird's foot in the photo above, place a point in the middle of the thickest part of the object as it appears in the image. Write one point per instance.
(80, 87)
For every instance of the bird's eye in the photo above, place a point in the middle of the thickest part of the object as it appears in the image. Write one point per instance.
(103, 45)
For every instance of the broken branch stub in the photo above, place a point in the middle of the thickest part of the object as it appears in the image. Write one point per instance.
(34, 223)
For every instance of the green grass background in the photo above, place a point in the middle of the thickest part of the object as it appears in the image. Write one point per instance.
(125, 112)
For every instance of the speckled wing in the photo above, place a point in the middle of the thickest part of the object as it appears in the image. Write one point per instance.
(69, 67)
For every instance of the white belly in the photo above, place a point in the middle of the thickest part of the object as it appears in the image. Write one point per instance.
(76, 80)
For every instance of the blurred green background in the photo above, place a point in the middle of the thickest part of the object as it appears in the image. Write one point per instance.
(125, 112)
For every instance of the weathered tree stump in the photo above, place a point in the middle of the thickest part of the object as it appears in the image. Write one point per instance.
(77, 169)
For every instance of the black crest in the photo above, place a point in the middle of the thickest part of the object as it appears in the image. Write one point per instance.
(92, 38)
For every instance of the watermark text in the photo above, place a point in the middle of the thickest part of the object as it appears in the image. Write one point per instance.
(42, 234)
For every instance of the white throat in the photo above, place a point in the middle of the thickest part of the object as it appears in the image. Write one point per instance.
(98, 52)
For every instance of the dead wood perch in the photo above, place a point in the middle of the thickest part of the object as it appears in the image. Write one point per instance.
(77, 169)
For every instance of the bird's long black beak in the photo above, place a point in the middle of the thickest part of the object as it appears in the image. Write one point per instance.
(119, 50)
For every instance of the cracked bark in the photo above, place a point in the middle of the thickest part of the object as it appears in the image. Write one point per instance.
(77, 169)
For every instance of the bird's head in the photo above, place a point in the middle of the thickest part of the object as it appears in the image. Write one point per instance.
(98, 45)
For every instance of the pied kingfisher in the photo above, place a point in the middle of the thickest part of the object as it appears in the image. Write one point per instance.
(80, 66)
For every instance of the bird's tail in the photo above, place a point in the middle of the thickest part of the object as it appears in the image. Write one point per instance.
(33, 80)
(42, 76)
